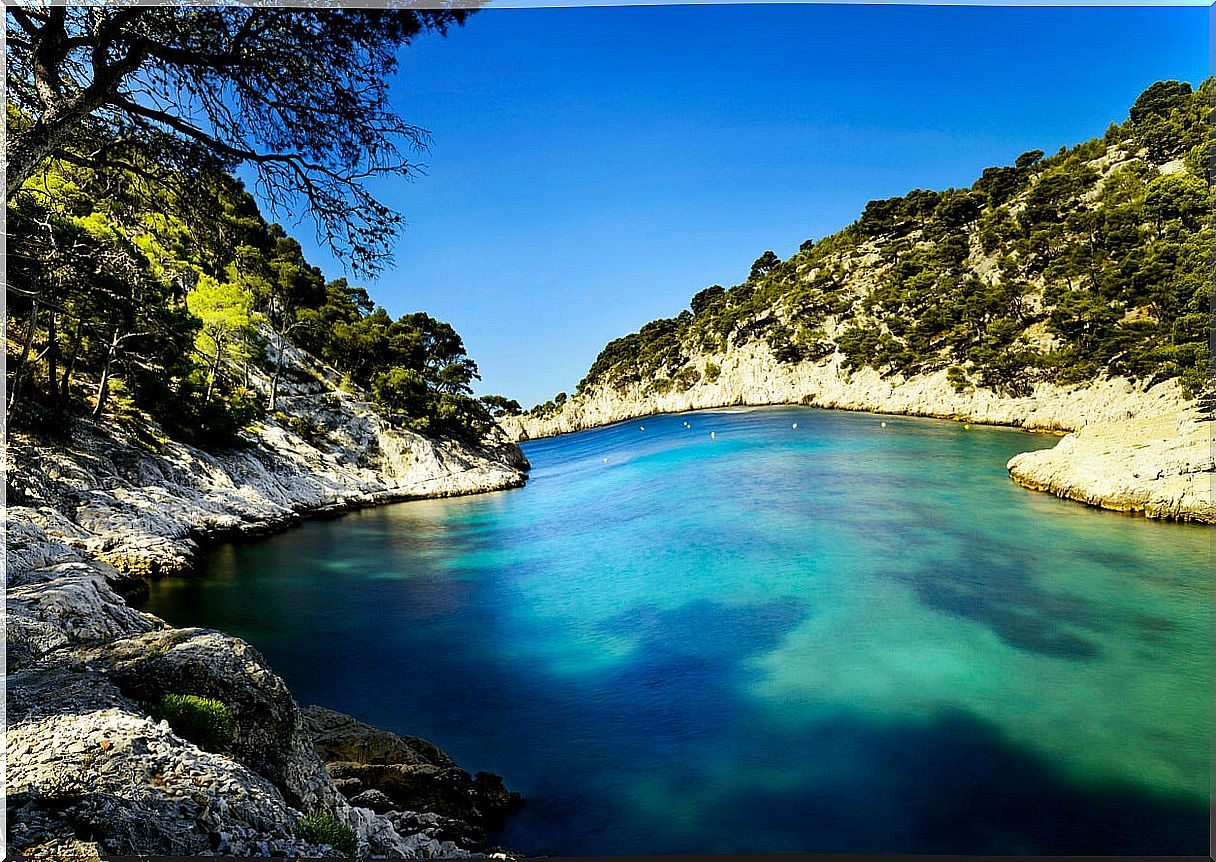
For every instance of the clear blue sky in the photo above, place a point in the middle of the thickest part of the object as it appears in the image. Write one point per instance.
(592, 168)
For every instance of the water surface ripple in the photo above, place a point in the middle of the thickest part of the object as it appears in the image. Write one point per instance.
(836, 637)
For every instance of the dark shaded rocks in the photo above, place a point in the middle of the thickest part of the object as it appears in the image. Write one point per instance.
(337, 736)
(438, 828)
(401, 775)
(373, 799)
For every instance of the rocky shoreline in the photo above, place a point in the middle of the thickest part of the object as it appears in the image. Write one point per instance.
(1125, 447)
(93, 770)
(1160, 465)
(93, 767)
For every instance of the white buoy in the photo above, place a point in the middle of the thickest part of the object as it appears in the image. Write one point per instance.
(966, 427)
(605, 459)
(795, 425)
(713, 434)
(643, 427)
(884, 425)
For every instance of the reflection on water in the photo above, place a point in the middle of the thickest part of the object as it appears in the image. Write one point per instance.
(840, 637)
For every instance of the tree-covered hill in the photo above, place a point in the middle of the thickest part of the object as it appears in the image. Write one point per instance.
(1093, 261)
(139, 295)
(143, 284)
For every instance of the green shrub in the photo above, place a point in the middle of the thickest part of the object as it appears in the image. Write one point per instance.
(309, 429)
(957, 378)
(327, 829)
(658, 386)
(712, 371)
(686, 378)
(206, 722)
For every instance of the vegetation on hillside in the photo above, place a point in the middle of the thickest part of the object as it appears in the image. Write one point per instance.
(143, 282)
(117, 308)
(1093, 261)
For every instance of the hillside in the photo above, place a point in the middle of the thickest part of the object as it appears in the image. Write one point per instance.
(179, 374)
(87, 520)
(1053, 293)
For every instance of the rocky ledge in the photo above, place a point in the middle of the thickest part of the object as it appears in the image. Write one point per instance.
(147, 512)
(95, 767)
(1160, 465)
(92, 770)
(128, 737)
(1134, 448)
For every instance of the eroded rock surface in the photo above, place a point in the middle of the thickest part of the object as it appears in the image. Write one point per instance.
(90, 771)
(409, 779)
(1160, 465)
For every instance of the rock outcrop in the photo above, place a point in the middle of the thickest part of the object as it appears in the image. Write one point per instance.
(1158, 464)
(90, 770)
(1140, 432)
(147, 512)
(408, 779)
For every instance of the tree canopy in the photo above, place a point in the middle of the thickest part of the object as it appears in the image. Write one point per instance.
(300, 96)
(144, 286)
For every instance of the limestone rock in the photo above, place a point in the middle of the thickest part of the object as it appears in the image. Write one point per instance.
(1119, 411)
(85, 764)
(210, 664)
(1159, 465)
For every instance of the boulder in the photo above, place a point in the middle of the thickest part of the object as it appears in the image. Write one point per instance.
(89, 771)
(206, 663)
(402, 773)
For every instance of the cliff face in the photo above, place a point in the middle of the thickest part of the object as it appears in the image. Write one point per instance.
(90, 771)
(1157, 454)
(146, 512)
(1032, 298)
(750, 375)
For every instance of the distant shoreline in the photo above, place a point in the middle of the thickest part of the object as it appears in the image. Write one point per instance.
(1123, 447)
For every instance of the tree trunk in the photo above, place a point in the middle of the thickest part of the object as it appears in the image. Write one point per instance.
(103, 386)
(52, 355)
(15, 387)
(69, 366)
(278, 370)
(213, 372)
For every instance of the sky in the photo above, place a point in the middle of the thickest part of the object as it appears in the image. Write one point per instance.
(593, 168)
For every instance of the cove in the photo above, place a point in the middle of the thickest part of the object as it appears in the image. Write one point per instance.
(840, 637)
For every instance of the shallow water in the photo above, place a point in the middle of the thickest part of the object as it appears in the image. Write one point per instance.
(840, 637)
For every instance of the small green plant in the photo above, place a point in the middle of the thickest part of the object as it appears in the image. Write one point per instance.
(206, 722)
(323, 828)
(957, 378)
(309, 428)
(712, 370)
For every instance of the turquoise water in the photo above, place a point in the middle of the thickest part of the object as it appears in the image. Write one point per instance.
(839, 637)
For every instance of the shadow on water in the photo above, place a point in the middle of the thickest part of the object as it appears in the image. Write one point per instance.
(842, 783)
(1008, 602)
(599, 638)
(955, 785)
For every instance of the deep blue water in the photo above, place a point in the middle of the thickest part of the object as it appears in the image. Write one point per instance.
(839, 637)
